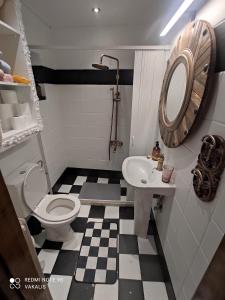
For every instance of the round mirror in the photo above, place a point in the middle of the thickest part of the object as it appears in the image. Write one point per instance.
(176, 92)
(186, 83)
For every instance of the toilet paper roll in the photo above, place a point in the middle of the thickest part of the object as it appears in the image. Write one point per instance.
(28, 120)
(9, 96)
(6, 124)
(6, 111)
(18, 122)
(23, 109)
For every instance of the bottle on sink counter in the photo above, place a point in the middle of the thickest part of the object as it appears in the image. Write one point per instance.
(156, 152)
(160, 163)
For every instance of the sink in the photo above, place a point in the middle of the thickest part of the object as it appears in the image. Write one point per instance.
(143, 180)
(139, 171)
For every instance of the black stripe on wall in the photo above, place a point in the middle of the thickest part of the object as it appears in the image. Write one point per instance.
(220, 46)
(46, 75)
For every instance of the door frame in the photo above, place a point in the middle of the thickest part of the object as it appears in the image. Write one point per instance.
(211, 286)
(18, 258)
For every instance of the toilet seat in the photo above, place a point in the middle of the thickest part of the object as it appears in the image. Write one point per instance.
(50, 206)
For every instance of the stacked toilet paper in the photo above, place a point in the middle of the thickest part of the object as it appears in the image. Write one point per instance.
(9, 96)
(15, 116)
(23, 118)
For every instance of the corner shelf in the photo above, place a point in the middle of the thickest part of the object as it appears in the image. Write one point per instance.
(9, 134)
(11, 85)
(16, 53)
(12, 138)
(6, 29)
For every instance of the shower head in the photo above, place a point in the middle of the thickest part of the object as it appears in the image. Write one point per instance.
(100, 66)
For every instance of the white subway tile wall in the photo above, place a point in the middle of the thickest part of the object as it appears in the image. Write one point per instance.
(76, 130)
(86, 114)
(53, 134)
(191, 230)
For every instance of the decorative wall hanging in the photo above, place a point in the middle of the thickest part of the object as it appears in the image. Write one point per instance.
(210, 165)
(186, 82)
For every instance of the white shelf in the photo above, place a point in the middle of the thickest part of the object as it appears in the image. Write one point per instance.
(13, 132)
(7, 29)
(15, 53)
(11, 85)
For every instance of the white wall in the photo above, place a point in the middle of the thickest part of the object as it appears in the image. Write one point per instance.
(213, 11)
(53, 135)
(76, 130)
(53, 142)
(36, 31)
(17, 156)
(191, 230)
(86, 113)
(149, 69)
(76, 127)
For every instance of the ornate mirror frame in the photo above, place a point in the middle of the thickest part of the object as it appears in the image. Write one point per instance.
(196, 49)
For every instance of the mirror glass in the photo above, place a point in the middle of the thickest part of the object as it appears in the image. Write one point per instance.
(176, 92)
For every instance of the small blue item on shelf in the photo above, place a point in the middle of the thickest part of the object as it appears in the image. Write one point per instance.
(5, 67)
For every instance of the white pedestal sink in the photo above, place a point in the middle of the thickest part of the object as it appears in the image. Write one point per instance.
(143, 181)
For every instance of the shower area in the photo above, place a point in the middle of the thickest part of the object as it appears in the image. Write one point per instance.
(113, 143)
(87, 118)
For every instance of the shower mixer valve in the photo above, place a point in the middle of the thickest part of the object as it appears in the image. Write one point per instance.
(115, 144)
(115, 95)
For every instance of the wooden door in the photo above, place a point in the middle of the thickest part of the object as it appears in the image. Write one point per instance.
(18, 258)
(212, 285)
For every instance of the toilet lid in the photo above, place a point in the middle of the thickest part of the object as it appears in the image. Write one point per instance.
(34, 186)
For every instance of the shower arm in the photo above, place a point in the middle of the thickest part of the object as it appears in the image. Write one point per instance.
(117, 71)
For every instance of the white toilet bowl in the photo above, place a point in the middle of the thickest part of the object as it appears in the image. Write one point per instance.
(55, 212)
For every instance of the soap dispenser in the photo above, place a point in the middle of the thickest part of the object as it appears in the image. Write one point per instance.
(156, 152)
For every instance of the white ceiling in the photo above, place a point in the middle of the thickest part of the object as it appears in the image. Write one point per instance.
(71, 13)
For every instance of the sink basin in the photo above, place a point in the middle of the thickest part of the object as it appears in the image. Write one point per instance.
(143, 181)
(140, 172)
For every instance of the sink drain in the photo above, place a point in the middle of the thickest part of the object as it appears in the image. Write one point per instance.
(144, 181)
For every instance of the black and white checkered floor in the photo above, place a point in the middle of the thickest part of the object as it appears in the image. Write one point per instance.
(140, 273)
(98, 259)
(72, 180)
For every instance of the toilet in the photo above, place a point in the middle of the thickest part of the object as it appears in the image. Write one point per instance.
(28, 190)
